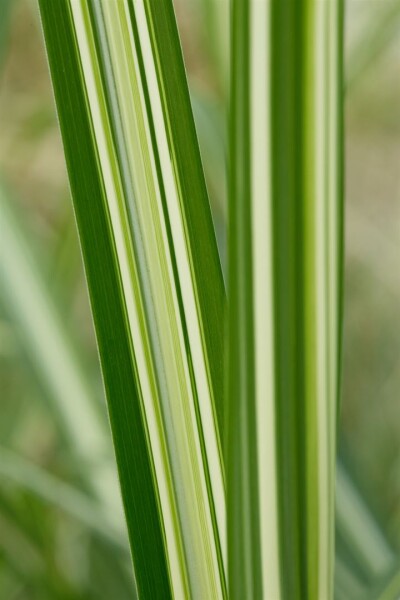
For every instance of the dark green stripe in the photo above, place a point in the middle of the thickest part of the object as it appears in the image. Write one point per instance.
(168, 110)
(290, 273)
(195, 208)
(177, 285)
(134, 465)
(119, 142)
(242, 463)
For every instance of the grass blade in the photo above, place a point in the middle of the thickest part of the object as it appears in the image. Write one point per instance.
(363, 552)
(52, 354)
(154, 278)
(359, 531)
(389, 586)
(285, 253)
(347, 585)
(211, 134)
(382, 27)
(72, 501)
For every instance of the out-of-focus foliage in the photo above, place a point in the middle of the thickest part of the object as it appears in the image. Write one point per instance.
(49, 545)
(370, 414)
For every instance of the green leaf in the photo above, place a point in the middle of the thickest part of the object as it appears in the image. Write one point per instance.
(210, 129)
(359, 531)
(389, 586)
(285, 279)
(154, 279)
(60, 494)
(215, 22)
(20, 556)
(362, 550)
(5, 19)
(49, 347)
(380, 30)
(348, 585)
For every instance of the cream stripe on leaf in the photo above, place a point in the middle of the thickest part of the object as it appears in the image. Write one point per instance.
(285, 252)
(154, 279)
(359, 539)
(261, 232)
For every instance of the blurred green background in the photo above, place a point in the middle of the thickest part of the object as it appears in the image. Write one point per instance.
(61, 527)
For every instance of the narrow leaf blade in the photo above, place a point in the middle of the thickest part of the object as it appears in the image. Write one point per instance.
(154, 279)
